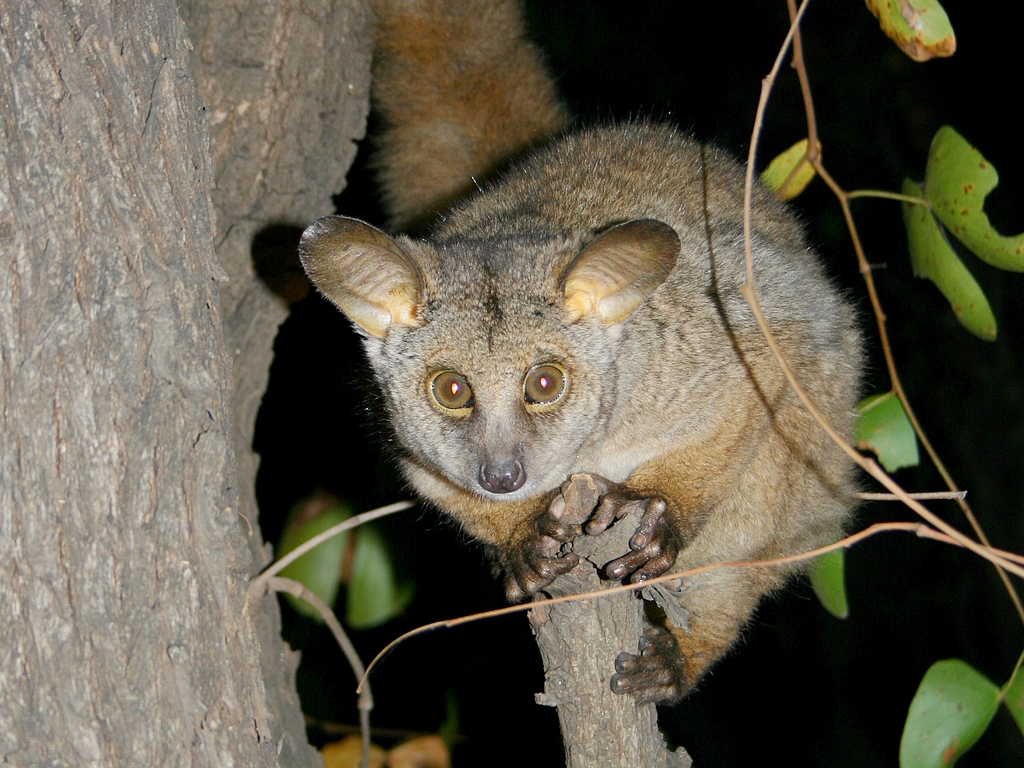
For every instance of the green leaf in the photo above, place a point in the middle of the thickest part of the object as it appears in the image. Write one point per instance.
(449, 730)
(1014, 699)
(883, 427)
(932, 257)
(919, 27)
(319, 569)
(956, 182)
(778, 170)
(374, 593)
(951, 709)
(826, 574)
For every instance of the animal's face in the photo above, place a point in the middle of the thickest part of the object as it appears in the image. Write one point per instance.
(495, 390)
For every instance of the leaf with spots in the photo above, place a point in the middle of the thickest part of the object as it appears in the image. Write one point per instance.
(956, 182)
(950, 711)
(919, 27)
(932, 257)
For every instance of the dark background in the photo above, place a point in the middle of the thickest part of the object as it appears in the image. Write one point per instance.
(801, 686)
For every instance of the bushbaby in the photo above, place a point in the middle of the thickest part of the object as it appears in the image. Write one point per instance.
(579, 312)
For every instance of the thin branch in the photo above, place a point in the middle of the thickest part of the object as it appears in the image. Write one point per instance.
(1013, 556)
(922, 530)
(813, 145)
(953, 495)
(762, 104)
(365, 702)
(259, 584)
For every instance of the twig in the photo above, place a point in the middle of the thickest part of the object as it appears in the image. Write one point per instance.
(259, 584)
(1007, 560)
(365, 702)
(813, 144)
(884, 195)
(919, 496)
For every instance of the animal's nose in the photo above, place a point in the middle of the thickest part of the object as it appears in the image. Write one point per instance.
(502, 477)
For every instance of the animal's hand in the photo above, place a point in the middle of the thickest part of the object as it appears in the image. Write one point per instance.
(655, 545)
(535, 562)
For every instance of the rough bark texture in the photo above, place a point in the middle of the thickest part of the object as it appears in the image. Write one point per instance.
(124, 561)
(286, 85)
(578, 642)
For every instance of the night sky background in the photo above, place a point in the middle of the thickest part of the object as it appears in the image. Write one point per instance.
(801, 686)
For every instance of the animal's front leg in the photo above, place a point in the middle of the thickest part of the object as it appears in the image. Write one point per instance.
(534, 561)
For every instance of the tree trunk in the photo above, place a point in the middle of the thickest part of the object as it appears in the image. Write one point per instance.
(124, 396)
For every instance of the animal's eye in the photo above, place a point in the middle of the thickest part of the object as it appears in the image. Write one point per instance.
(544, 384)
(451, 391)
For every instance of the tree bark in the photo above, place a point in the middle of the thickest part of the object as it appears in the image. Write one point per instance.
(124, 557)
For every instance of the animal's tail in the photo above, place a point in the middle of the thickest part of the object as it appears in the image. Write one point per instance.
(459, 89)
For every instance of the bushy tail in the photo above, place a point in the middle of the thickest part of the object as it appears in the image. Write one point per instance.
(459, 89)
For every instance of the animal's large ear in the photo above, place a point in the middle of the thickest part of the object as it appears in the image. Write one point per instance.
(363, 272)
(613, 274)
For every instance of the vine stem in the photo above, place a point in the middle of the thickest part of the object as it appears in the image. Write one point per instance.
(882, 194)
(814, 157)
(749, 293)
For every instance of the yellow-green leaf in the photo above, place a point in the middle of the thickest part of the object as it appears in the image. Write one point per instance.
(320, 568)
(883, 427)
(375, 594)
(932, 257)
(826, 575)
(956, 182)
(1014, 699)
(780, 168)
(919, 27)
(950, 711)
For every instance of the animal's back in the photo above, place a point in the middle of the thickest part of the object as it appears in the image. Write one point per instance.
(595, 178)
